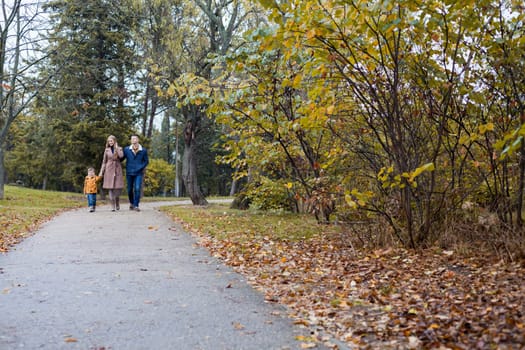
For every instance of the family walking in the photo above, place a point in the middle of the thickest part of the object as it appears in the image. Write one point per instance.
(136, 158)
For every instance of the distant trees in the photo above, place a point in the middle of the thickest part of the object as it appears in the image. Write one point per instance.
(114, 58)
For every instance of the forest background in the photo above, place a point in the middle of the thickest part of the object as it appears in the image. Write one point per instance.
(405, 117)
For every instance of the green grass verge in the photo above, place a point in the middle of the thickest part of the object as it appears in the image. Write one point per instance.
(22, 210)
(221, 222)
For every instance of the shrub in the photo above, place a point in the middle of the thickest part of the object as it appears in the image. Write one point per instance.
(269, 194)
(160, 178)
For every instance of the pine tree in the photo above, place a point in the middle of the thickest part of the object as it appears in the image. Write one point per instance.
(91, 46)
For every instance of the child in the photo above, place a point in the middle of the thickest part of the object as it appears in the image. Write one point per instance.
(90, 188)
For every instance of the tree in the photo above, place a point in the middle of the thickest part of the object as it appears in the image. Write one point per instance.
(31, 157)
(19, 26)
(273, 125)
(163, 141)
(86, 101)
(396, 89)
(216, 30)
(393, 70)
(500, 51)
(158, 36)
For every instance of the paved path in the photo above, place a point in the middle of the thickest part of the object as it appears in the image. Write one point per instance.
(128, 280)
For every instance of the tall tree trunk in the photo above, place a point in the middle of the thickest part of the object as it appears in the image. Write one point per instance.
(177, 173)
(153, 111)
(7, 115)
(2, 172)
(189, 162)
(145, 111)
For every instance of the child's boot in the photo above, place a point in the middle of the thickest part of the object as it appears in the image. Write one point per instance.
(91, 209)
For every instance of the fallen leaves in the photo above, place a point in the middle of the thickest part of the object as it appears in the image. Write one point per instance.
(238, 326)
(387, 299)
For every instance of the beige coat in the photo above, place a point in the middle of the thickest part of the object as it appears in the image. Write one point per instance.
(111, 169)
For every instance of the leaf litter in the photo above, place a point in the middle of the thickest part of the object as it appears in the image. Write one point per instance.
(388, 299)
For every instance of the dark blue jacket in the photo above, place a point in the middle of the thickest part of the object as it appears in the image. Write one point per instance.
(136, 163)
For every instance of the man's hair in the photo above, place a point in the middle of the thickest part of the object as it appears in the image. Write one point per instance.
(134, 135)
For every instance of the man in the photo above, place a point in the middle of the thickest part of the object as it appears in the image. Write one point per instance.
(136, 162)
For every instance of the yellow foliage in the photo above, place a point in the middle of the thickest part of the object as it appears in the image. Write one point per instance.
(485, 127)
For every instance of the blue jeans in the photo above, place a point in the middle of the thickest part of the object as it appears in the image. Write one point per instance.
(134, 187)
(92, 199)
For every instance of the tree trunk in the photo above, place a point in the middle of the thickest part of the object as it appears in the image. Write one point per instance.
(235, 184)
(2, 172)
(519, 202)
(233, 189)
(153, 111)
(189, 165)
(408, 216)
(145, 111)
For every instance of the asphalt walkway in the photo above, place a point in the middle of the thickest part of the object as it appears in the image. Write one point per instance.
(129, 280)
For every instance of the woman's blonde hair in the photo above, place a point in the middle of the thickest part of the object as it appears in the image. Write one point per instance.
(111, 137)
(115, 155)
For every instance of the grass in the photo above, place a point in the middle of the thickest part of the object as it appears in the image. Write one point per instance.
(221, 222)
(22, 210)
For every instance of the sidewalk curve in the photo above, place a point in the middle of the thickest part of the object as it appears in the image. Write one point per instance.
(129, 280)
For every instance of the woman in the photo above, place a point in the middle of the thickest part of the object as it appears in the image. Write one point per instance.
(111, 169)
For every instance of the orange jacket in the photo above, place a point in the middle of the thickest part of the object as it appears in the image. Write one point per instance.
(90, 184)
